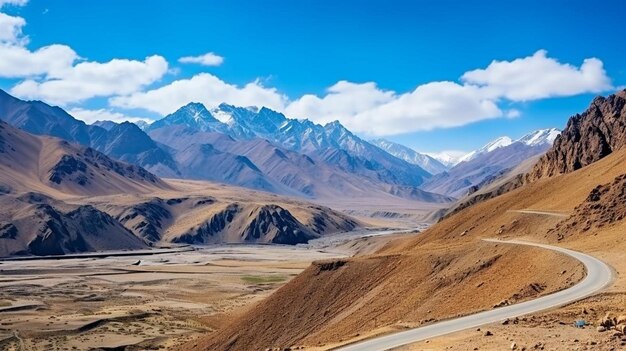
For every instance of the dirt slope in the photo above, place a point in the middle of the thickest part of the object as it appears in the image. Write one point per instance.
(405, 280)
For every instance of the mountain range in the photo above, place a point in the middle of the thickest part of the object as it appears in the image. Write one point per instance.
(58, 197)
(493, 160)
(262, 149)
(271, 152)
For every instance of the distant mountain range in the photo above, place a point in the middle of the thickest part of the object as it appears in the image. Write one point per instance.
(494, 159)
(256, 148)
(58, 197)
(263, 149)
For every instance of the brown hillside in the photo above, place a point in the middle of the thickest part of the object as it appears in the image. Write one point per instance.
(58, 168)
(441, 273)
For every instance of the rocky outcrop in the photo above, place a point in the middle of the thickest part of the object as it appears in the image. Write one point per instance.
(251, 224)
(69, 167)
(605, 205)
(56, 229)
(587, 138)
(276, 225)
(215, 225)
(147, 219)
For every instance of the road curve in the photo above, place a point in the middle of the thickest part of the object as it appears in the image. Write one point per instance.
(599, 275)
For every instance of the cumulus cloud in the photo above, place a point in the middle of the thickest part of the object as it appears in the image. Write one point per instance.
(19, 62)
(205, 88)
(91, 116)
(429, 106)
(368, 109)
(56, 73)
(538, 77)
(208, 59)
(343, 101)
(11, 29)
(92, 79)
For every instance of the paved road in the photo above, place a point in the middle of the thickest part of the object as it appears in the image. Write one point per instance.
(554, 214)
(599, 276)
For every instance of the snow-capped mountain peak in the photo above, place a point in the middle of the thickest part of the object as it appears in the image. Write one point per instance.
(447, 158)
(496, 144)
(540, 137)
(489, 147)
(430, 164)
(193, 115)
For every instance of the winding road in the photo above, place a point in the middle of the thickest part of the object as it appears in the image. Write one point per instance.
(599, 275)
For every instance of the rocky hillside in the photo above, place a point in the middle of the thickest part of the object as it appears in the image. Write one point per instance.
(209, 220)
(587, 138)
(34, 224)
(605, 205)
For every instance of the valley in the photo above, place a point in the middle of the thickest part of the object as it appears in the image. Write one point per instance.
(201, 203)
(155, 301)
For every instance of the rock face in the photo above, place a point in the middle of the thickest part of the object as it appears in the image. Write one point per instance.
(588, 137)
(606, 204)
(147, 219)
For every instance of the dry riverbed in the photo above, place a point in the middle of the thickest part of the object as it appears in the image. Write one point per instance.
(148, 302)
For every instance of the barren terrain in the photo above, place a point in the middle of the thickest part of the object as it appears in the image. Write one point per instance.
(150, 301)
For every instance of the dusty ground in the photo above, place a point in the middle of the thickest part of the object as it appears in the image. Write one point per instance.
(149, 302)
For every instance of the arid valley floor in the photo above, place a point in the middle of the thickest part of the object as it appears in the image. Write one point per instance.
(149, 301)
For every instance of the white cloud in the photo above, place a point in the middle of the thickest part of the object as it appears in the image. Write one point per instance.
(19, 62)
(538, 77)
(92, 79)
(56, 73)
(205, 88)
(367, 109)
(208, 59)
(429, 106)
(512, 113)
(91, 116)
(11, 29)
(343, 101)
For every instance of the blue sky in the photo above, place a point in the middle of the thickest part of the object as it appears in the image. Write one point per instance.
(276, 52)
